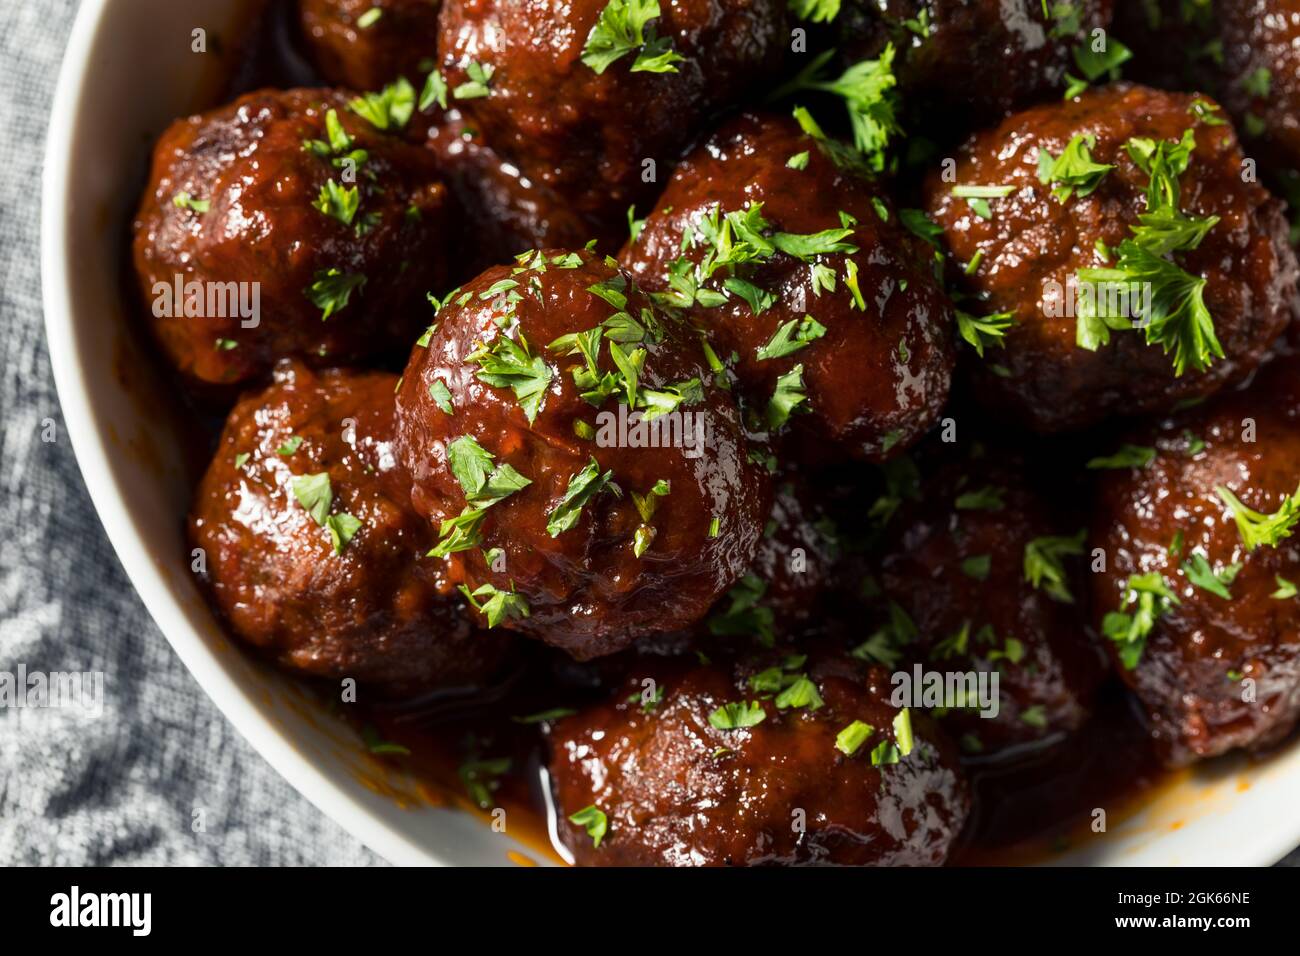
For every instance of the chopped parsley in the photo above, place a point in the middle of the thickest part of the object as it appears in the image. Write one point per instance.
(1205, 577)
(594, 821)
(583, 486)
(849, 740)
(738, 715)
(479, 83)
(331, 290)
(1257, 528)
(314, 493)
(183, 200)
(1128, 456)
(624, 26)
(983, 331)
(868, 91)
(390, 108)
(1150, 597)
(788, 395)
(498, 606)
(441, 396)
(509, 364)
(1044, 568)
(988, 498)
(790, 337)
(1073, 172)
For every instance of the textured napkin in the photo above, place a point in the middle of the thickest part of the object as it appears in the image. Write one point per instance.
(123, 787)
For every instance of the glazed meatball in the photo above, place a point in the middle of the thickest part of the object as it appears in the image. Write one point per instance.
(766, 762)
(980, 575)
(985, 56)
(251, 245)
(552, 87)
(1200, 612)
(365, 44)
(1057, 192)
(1247, 52)
(565, 513)
(313, 552)
(508, 213)
(807, 283)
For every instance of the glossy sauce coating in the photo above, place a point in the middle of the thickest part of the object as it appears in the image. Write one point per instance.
(1190, 674)
(354, 47)
(985, 56)
(1033, 245)
(587, 590)
(261, 229)
(1246, 52)
(378, 611)
(588, 135)
(879, 375)
(678, 791)
(506, 212)
(954, 562)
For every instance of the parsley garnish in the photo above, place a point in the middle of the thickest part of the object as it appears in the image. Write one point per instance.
(1151, 597)
(183, 200)
(983, 331)
(1257, 528)
(1043, 565)
(390, 108)
(338, 202)
(1129, 456)
(479, 82)
(868, 91)
(331, 290)
(738, 715)
(788, 395)
(499, 605)
(509, 364)
(791, 337)
(594, 821)
(583, 486)
(624, 26)
(851, 738)
(1073, 172)
(1205, 577)
(314, 493)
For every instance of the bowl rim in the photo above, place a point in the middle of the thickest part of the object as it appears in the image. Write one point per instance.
(92, 454)
(341, 803)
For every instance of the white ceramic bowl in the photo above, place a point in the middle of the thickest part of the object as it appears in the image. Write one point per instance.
(128, 71)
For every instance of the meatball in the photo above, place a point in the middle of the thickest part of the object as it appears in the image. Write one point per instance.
(1065, 205)
(565, 512)
(1198, 598)
(313, 553)
(985, 56)
(1246, 52)
(742, 765)
(807, 283)
(253, 245)
(591, 102)
(508, 212)
(364, 44)
(979, 575)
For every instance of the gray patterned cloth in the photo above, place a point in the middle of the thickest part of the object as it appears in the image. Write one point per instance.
(120, 788)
